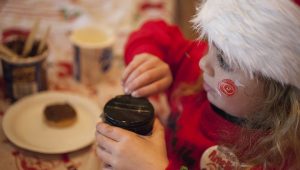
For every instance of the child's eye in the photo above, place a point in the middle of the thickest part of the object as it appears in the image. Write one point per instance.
(222, 63)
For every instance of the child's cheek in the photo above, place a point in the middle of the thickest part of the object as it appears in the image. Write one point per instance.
(227, 87)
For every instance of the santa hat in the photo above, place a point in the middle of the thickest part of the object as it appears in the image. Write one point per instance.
(258, 36)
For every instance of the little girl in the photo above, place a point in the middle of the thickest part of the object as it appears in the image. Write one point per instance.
(239, 108)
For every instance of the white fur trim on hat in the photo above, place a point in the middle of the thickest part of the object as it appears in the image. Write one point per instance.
(256, 35)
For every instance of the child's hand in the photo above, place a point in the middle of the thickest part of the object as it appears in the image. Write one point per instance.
(146, 75)
(122, 149)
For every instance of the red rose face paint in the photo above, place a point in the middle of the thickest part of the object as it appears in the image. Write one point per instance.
(227, 87)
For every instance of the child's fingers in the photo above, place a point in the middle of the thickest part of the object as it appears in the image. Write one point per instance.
(114, 133)
(136, 62)
(105, 142)
(141, 69)
(146, 78)
(157, 126)
(104, 156)
(158, 133)
(152, 88)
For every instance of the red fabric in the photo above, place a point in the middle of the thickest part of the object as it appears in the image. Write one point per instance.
(190, 131)
(297, 2)
(8, 33)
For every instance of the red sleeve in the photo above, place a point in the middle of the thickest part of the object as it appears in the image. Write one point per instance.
(157, 38)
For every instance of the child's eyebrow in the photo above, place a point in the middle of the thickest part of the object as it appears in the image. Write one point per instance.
(218, 49)
(221, 53)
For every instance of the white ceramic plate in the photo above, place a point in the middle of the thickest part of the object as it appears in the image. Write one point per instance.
(24, 124)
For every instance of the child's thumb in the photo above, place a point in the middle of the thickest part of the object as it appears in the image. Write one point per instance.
(158, 129)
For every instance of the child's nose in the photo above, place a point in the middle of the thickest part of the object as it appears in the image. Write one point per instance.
(206, 66)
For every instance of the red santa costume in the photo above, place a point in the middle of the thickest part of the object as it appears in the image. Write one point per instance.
(196, 130)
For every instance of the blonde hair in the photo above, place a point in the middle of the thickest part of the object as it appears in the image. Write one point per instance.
(279, 118)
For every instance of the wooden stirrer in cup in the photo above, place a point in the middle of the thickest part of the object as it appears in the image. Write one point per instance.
(7, 52)
(30, 39)
(43, 41)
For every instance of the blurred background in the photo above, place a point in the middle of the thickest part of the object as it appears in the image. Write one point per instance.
(184, 11)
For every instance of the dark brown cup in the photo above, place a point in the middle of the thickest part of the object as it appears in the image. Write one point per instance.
(130, 113)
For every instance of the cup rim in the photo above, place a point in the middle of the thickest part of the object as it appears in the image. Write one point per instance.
(107, 43)
(27, 60)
